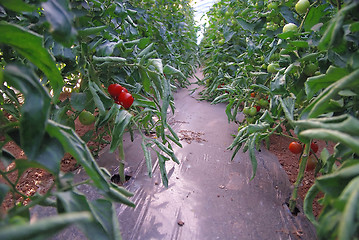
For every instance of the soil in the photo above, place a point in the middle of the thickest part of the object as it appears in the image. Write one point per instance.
(38, 180)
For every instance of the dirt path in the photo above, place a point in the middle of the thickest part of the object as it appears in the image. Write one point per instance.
(208, 196)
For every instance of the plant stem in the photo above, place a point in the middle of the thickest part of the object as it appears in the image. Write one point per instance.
(302, 165)
(121, 167)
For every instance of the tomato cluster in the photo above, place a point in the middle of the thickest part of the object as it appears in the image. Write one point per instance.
(296, 147)
(121, 95)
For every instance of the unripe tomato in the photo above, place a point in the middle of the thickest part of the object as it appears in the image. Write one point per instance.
(302, 6)
(273, 68)
(273, 5)
(263, 103)
(221, 41)
(246, 110)
(295, 147)
(86, 118)
(290, 27)
(125, 99)
(252, 111)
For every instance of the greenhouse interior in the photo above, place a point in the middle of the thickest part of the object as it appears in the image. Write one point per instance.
(179, 119)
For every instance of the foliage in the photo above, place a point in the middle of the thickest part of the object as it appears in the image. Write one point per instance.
(311, 85)
(51, 48)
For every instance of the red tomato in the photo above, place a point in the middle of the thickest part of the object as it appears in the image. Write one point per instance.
(115, 89)
(314, 147)
(253, 94)
(125, 99)
(258, 108)
(295, 147)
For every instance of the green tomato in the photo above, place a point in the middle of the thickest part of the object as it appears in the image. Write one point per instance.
(228, 14)
(86, 118)
(302, 6)
(273, 5)
(252, 111)
(273, 68)
(234, 22)
(264, 66)
(290, 27)
(263, 103)
(246, 110)
(221, 42)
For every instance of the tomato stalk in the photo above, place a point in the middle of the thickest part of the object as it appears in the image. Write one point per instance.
(302, 165)
(121, 167)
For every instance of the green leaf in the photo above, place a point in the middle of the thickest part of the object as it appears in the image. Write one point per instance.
(288, 107)
(314, 84)
(287, 14)
(105, 118)
(145, 80)
(43, 228)
(319, 105)
(344, 123)
(245, 25)
(334, 183)
(162, 163)
(60, 20)
(157, 64)
(29, 44)
(348, 224)
(35, 110)
(17, 6)
(147, 157)
(123, 118)
(333, 135)
(91, 31)
(102, 101)
(308, 204)
(169, 70)
(50, 154)
(252, 155)
(74, 145)
(104, 224)
(166, 150)
(314, 16)
(300, 44)
(78, 101)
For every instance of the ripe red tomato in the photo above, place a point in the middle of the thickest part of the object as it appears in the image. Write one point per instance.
(258, 108)
(125, 99)
(115, 89)
(253, 94)
(314, 147)
(311, 163)
(295, 147)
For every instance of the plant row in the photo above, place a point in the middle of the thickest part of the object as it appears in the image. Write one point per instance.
(292, 69)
